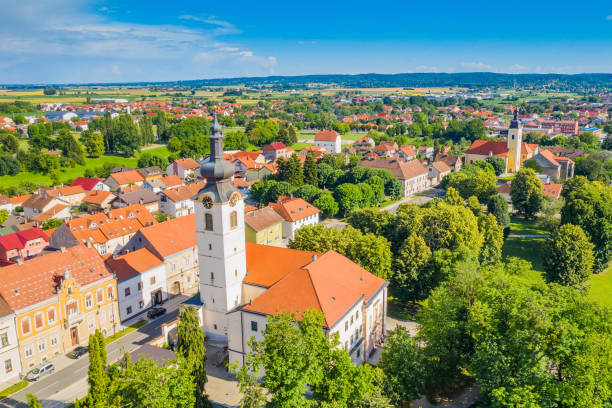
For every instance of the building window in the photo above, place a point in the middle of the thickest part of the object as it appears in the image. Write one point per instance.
(210, 247)
(28, 351)
(88, 302)
(25, 326)
(127, 291)
(233, 219)
(215, 326)
(71, 308)
(51, 315)
(42, 345)
(109, 293)
(139, 285)
(253, 326)
(54, 340)
(152, 280)
(141, 304)
(212, 276)
(91, 324)
(38, 321)
(346, 325)
(4, 339)
(236, 272)
(208, 222)
(129, 310)
(100, 295)
(8, 366)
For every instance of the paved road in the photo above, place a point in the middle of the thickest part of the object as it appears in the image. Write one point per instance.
(60, 389)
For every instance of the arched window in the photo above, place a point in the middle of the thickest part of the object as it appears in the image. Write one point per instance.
(233, 219)
(208, 222)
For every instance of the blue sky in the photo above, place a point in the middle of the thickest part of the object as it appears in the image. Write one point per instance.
(75, 41)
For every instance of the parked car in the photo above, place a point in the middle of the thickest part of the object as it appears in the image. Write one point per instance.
(41, 370)
(78, 352)
(156, 312)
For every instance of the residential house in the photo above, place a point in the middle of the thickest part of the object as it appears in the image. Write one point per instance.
(275, 151)
(5, 203)
(22, 244)
(141, 282)
(90, 183)
(258, 171)
(454, 162)
(330, 140)
(160, 184)
(183, 168)
(552, 190)
(41, 206)
(178, 201)
(263, 226)
(121, 179)
(426, 152)
(59, 299)
(150, 173)
(407, 152)
(98, 200)
(297, 213)
(436, 171)
(73, 195)
(411, 174)
(174, 242)
(10, 367)
(386, 149)
(107, 232)
(143, 197)
(557, 167)
(364, 142)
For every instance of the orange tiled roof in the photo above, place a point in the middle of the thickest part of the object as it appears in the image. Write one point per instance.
(486, 147)
(172, 236)
(552, 190)
(36, 279)
(294, 209)
(326, 136)
(266, 265)
(133, 263)
(182, 193)
(188, 163)
(330, 283)
(127, 177)
(96, 196)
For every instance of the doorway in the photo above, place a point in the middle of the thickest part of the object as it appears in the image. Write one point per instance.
(177, 288)
(74, 336)
(157, 297)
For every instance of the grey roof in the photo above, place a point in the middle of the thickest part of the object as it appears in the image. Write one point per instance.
(134, 197)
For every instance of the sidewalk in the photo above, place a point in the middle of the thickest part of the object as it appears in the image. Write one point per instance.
(170, 305)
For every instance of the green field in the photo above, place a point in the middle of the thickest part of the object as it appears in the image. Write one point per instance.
(78, 171)
(299, 146)
(601, 287)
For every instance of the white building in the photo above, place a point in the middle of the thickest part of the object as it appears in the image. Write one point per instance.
(10, 364)
(297, 213)
(141, 282)
(183, 168)
(178, 201)
(235, 304)
(329, 139)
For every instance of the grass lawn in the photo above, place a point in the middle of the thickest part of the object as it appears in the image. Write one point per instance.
(402, 311)
(78, 171)
(299, 146)
(13, 389)
(525, 248)
(521, 226)
(601, 287)
(125, 331)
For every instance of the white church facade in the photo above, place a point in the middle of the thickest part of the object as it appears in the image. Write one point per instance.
(242, 284)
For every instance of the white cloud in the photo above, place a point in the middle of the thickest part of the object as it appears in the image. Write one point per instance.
(475, 65)
(516, 68)
(303, 42)
(609, 17)
(68, 31)
(425, 68)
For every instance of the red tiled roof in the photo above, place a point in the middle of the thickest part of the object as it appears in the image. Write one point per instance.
(400, 169)
(275, 146)
(127, 177)
(486, 147)
(441, 166)
(552, 190)
(86, 182)
(35, 280)
(18, 240)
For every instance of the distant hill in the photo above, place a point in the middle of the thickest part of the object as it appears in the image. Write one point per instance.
(463, 79)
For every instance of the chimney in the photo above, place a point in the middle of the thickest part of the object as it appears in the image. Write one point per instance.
(314, 257)
(19, 261)
(63, 249)
(88, 244)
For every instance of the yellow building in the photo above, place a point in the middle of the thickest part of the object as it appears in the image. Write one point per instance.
(263, 226)
(59, 299)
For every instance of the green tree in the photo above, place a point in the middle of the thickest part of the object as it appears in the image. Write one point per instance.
(69, 146)
(498, 206)
(93, 142)
(310, 170)
(474, 205)
(51, 223)
(526, 193)
(236, 140)
(175, 145)
(190, 347)
(33, 402)
(97, 378)
(3, 216)
(410, 277)
(493, 239)
(402, 363)
(349, 197)
(452, 197)
(50, 90)
(568, 256)
(307, 192)
(148, 159)
(499, 164)
(326, 203)
(9, 143)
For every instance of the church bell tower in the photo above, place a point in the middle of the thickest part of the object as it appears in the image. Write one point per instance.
(514, 143)
(219, 210)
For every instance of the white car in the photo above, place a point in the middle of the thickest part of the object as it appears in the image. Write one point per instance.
(38, 372)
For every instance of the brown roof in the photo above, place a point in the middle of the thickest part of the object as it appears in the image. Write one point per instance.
(262, 218)
(330, 283)
(36, 279)
(326, 136)
(133, 263)
(127, 177)
(505, 188)
(188, 163)
(171, 181)
(38, 201)
(172, 236)
(441, 166)
(135, 197)
(552, 190)
(50, 213)
(551, 158)
(294, 209)
(486, 147)
(65, 191)
(400, 169)
(182, 193)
